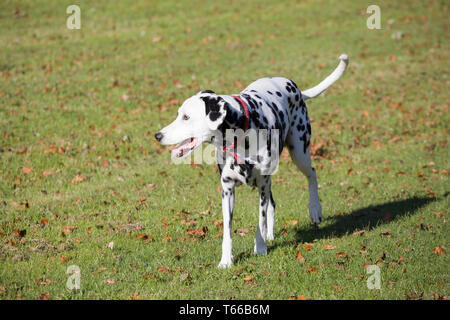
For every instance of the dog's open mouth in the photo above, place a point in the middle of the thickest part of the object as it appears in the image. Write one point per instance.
(185, 147)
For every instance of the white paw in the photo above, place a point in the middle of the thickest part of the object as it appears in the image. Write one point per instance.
(270, 236)
(225, 262)
(315, 212)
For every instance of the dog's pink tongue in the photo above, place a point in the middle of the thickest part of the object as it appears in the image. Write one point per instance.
(180, 150)
(177, 152)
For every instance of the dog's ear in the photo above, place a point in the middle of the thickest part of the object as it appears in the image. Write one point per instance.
(206, 91)
(215, 110)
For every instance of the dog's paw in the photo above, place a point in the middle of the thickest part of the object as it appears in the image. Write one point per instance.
(315, 212)
(269, 236)
(225, 264)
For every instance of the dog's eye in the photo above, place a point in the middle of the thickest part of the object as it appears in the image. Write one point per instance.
(185, 117)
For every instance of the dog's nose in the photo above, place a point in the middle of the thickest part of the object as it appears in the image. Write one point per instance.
(158, 136)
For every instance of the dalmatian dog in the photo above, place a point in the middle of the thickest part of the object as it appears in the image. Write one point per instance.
(272, 104)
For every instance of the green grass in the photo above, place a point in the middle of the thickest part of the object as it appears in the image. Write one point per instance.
(86, 103)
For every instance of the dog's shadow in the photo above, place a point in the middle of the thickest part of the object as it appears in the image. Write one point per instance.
(366, 218)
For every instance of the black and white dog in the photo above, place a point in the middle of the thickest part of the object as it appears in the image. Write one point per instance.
(271, 104)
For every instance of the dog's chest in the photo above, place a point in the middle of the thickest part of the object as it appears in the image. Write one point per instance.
(244, 173)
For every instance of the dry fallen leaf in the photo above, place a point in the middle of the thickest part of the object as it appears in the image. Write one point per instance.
(300, 257)
(312, 270)
(67, 229)
(78, 179)
(111, 245)
(144, 237)
(328, 247)
(439, 250)
(358, 233)
(338, 288)
(44, 296)
(242, 232)
(308, 246)
(386, 233)
(163, 269)
(291, 222)
(27, 170)
(200, 233)
(300, 297)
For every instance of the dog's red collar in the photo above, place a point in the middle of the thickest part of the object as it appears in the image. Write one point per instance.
(246, 125)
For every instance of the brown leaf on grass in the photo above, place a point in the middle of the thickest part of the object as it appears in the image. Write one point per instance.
(218, 224)
(42, 281)
(312, 270)
(341, 255)
(68, 229)
(414, 296)
(110, 281)
(439, 251)
(291, 222)
(358, 233)
(328, 246)
(248, 278)
(27, 170)
(44, 222)
(338, 288)
(78, 179)
(19, 233)
(308, 246)
(242, 232)
(46, 173)
(300, 297)
(163, 269)
(437, 296)
(135, 296)
(44, 296)
(200, 233)
(300, 257)
(144, 237)
(386, 233)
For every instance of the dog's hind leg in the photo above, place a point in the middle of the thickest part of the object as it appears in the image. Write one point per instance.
(270, 217)
(265, 196)
(298, 145)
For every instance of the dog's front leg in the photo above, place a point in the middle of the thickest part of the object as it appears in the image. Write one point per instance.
(227, 210)
(264, 199)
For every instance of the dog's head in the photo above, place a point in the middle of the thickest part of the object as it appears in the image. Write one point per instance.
(197, 121)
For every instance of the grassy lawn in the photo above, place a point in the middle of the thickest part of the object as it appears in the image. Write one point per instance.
(82, 181)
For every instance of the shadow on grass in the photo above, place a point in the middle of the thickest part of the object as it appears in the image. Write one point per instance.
(361, 219)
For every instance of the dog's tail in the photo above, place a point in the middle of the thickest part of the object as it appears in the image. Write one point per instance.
(332, 78)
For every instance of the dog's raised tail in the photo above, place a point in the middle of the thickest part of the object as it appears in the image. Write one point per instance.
(328, 81)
